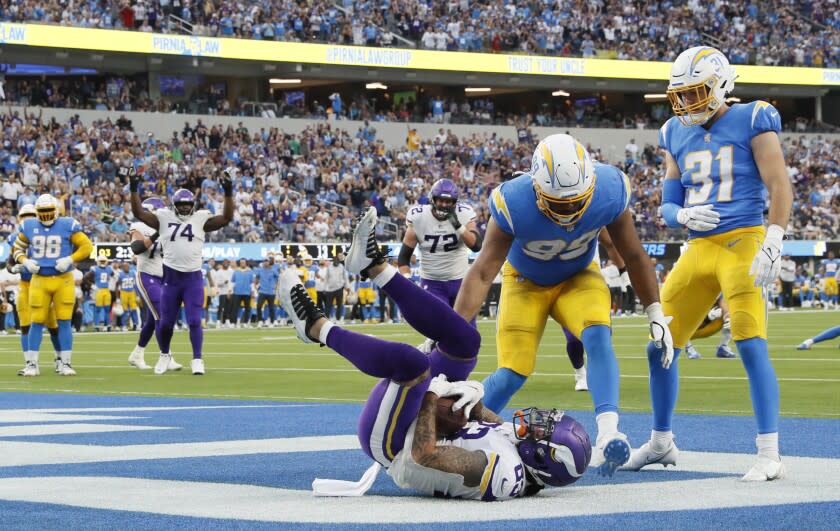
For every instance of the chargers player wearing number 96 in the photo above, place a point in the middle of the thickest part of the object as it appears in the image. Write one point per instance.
(546, 223)
(48, 246)
(182, 231)
(718, 161)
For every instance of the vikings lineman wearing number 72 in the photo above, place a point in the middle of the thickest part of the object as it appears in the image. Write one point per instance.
(546, 224)
(181, 232)
(718, 161)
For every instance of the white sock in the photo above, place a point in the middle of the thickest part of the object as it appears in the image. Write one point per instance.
(660, 440)
(582, 372)
(725, 336)
(65, 356)
(139, 350)
(27, 356)
(768, 445)
(809, 342)
(385, 276)
(325, 331)
(33, 356)
(607, 423)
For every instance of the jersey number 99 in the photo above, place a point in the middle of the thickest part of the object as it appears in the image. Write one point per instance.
(46, 247)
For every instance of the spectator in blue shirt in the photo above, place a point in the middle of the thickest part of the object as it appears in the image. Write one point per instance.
(243, 281)
(267, 276)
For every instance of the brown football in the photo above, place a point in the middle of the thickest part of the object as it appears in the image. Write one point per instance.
(447, 422)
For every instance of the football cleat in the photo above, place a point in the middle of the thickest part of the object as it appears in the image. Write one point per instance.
(31, 369)
(364, 252)
(724, 352)
(67, 370)
(57, 362)
(21, 371)
(611, 453)
(304, 312)
(173, 365)
(692, 353)
(137, 358)
(765, 469)
(805, 345)
(197, 366)
(580, 380)
(162, 364)
(646, 455)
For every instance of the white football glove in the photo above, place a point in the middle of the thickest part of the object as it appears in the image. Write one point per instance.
(440, 386)
(427, 346)
(715, 313)
(767, 263)
(471, 391)
(701, 218)
(660, 333)
(16, 269)
(31, 266)
(63, 264)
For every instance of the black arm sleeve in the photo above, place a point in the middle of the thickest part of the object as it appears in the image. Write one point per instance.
(479, 239)
(405, 255)
(138, 246)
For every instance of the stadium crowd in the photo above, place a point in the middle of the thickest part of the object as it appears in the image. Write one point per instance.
(777, 32)
(307, 187)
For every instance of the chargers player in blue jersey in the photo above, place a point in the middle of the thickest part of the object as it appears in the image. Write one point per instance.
(718, 162)
(102, 274)
(48, 246)
(546, 224)
(830, 268)
(127, 295)
(24, 314)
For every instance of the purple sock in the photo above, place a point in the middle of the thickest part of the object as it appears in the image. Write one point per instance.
(196, 339)
(147, 331)
(376, 357)
(574, 349)
(434, 318)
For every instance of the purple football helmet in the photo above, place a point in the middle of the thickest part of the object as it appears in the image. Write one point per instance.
(151, 204)
(552, 445)
(184, 203)
(444, 189)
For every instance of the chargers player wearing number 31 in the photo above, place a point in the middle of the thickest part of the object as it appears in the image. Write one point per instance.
(181, 232)
(546, 223)
(718, 161)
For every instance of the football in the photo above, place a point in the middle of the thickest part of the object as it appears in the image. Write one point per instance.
(447, 422)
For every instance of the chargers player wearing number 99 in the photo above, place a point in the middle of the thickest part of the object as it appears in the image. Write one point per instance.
(718, 161)
(182, 231)
(48, 246)
(546, 223)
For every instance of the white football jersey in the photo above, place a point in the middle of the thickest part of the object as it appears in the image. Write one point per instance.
(504, 477)
(443, 254)
(151, 260)
(183, 241)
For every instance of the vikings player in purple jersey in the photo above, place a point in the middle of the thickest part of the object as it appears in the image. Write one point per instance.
(182, 231)
(487, 459)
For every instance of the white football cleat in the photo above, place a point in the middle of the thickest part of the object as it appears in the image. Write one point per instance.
(173, 365)
(31, 369)
(137, 358)
(610, 453)
(197, 366)
(67, 370)
(646, 455)
(162, 364)
(363, 251)
(765, 469)
(580, 380)
(427, 346)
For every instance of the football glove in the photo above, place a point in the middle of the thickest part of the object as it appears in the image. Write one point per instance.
(714, 314)
(227, 183)
(154, 237)
(133, 178)
(456, 223)
(701, 218)
(427, 346)
(767, 263)
(31, 266)
(63, 264)
(440, 386)
(660, 333)
(471, 391)
(15, 269)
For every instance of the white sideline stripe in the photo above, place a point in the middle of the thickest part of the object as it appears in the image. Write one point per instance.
(14, 453)
(64, 414)
(809, 480)
(73, 428)
(543, 374)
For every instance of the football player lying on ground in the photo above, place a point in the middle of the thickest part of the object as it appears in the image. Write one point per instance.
(402, 427)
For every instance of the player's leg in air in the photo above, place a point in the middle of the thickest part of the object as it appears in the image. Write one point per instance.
(574, 349)
(405, 370)
(825, 335)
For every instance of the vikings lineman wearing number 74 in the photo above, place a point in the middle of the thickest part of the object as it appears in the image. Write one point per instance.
(182, 231)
